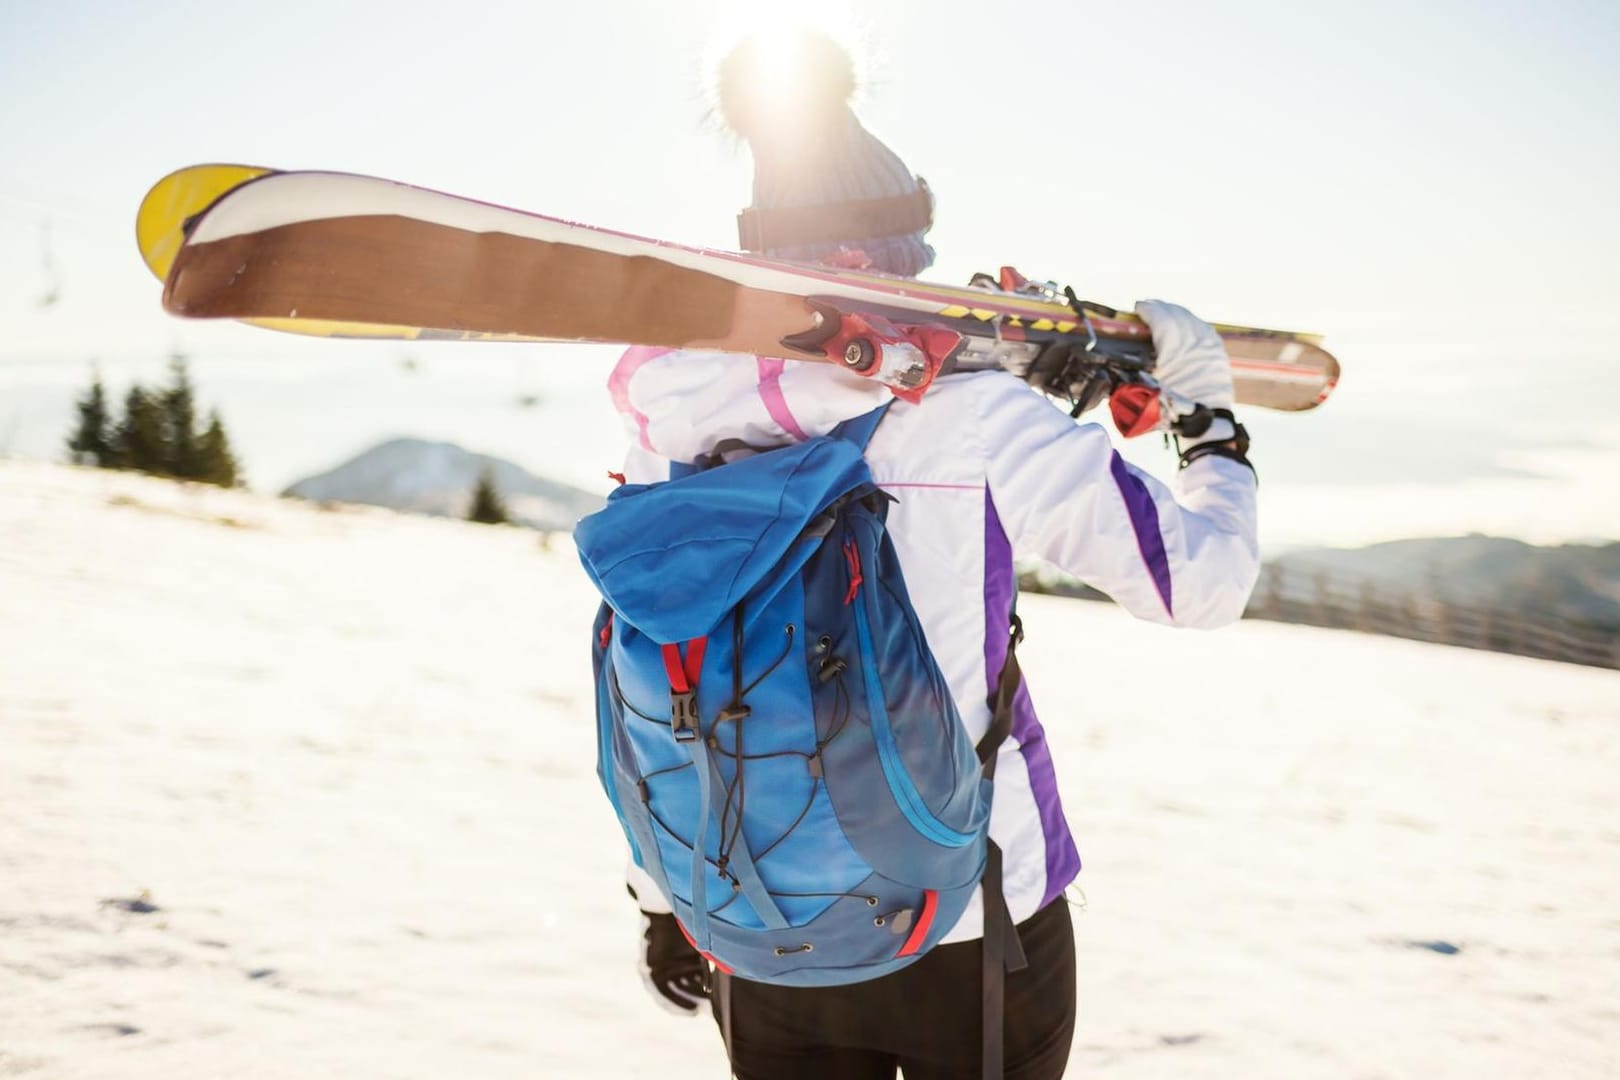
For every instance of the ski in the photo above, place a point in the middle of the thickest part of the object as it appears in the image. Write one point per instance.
(175, 201)
(335, 254)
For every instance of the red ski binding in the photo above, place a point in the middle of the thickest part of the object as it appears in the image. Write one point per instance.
(904, 358)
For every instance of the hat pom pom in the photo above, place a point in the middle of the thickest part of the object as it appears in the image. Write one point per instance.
(802, 77)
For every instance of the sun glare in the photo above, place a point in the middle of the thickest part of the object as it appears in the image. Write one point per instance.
(779, 54)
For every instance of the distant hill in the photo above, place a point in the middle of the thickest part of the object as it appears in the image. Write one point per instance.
(1575, 585)
(422, 477)
(1578, 582)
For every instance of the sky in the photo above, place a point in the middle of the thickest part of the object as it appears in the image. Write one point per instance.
(1430, 186)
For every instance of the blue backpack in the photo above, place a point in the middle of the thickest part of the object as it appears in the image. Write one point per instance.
(773, 732)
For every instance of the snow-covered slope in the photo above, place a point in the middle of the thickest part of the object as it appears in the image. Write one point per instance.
(349, 755)
(427, 477)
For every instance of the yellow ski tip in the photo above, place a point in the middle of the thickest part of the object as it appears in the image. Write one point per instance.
(175, 199)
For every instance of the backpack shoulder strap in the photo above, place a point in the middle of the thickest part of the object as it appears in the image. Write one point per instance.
(1001, 700)
(859, 429)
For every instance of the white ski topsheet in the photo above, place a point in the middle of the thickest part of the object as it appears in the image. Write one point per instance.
(289, 198)
(295, 197)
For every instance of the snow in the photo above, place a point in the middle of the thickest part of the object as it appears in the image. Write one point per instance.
(348, 756)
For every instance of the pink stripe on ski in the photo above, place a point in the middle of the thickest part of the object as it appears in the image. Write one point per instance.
(634, 359)
(770, 392)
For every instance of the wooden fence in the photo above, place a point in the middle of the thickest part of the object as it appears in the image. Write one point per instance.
(1320, 598)
(1340, 601)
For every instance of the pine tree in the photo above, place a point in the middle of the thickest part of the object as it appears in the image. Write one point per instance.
(178, 402)
(158, 432)
(90, 443)
(137, 441)
(487, 506)
(216, 464)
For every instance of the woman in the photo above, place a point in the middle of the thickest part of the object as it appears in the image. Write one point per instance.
(983, 469)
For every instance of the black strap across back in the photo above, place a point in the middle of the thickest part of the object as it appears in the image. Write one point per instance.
(1003, 952)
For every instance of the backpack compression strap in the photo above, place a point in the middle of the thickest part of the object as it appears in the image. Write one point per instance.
(1003, 952)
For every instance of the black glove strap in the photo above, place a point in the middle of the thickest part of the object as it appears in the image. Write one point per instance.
(1236, 448)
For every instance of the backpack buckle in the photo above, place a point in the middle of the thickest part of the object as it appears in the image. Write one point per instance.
(683, 715)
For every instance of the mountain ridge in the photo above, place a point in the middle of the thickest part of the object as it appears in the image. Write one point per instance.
(424, 476)
(1579, 582)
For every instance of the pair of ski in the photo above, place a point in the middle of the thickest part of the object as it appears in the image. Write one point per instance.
(338, 255)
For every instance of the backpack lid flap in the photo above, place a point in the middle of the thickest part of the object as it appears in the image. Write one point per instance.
(673, 558)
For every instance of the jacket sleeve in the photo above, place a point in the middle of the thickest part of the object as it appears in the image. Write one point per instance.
(644, 467)
(1187, 557)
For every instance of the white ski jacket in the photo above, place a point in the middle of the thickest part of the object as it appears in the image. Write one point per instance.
(984, 469)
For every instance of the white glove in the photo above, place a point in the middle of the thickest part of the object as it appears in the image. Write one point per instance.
(1192, 368)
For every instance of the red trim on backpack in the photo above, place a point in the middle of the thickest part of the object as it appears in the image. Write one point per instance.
(607, 630)
(919, 929)
(694, 658)
(693, 942)
(852, 556)
(672, 668)
(619, 476)
(683, 672)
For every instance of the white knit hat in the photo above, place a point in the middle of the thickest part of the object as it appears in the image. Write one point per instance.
(823, 184)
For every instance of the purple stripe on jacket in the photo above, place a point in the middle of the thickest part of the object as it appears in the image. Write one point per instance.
(1145, 522)
(1062, 860)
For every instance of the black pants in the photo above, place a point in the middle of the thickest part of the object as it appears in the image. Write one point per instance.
(923, 1020)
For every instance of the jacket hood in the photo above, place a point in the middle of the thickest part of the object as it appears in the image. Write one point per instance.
(681, 404)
